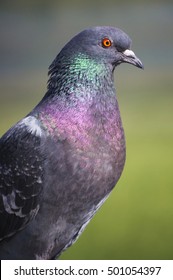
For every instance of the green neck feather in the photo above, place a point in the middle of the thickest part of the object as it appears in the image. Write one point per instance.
(78, 74)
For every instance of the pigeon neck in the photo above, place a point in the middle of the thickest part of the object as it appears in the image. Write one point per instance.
(79, 75)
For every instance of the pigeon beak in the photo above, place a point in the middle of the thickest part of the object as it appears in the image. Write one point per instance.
(130, 57)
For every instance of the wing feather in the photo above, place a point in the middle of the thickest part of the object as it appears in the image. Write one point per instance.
(21, 175)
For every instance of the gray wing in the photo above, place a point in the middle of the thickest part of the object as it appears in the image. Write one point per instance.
(21, 175)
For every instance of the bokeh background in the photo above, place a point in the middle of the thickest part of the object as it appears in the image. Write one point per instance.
(136, 222)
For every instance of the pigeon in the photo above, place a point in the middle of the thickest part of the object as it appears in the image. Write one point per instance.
(61, 161)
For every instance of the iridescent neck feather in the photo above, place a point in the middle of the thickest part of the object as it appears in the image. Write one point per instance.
(69, 75)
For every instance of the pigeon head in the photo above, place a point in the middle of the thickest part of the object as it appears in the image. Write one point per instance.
(93, 53)
(103, 44)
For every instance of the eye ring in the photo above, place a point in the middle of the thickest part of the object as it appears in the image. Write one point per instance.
(106, 43)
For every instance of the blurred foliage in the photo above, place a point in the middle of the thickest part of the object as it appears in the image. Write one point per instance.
(136, 220)
(44, 4)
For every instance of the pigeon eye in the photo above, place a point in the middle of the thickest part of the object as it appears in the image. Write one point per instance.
(106, 43)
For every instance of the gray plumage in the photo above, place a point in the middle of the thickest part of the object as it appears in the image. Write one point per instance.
(60, 162)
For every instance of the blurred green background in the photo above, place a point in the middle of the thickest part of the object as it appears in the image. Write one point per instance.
(136, 222)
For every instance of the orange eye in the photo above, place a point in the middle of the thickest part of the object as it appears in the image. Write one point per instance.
(106, 43)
